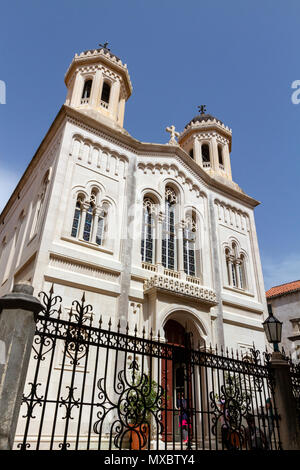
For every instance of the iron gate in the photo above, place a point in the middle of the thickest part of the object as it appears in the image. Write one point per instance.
(90, 387)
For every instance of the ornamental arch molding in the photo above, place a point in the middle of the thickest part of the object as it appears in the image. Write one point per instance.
(186, 316)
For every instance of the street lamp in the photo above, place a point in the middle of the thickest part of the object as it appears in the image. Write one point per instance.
(272, 328)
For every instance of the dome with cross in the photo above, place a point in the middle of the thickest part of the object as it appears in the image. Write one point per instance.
(202, 117)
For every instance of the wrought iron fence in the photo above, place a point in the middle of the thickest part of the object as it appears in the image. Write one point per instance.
(295, 379)
(90, 387)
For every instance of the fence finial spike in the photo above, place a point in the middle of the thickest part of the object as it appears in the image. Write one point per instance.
(127, 328)
(216, 349)
(83, 298)
(100, 321)
(144, 331)
(109, 323)
(158, 334)
(51, 289)
(151, 333)
(135, 330)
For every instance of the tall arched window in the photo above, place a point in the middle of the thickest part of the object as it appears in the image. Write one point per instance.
(189, 240)
(86, 93)
(236, 267)
(102, 217)
(90, 219)
(76, 218)
(241, 271)
(147, 243)
(169, 237)
(205, 155)
(105, 95)
(88, 225)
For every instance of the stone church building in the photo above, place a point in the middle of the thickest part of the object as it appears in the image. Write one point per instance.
(158, 235)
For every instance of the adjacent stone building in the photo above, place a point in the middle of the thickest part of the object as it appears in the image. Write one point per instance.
(158, 235)
(285, 301)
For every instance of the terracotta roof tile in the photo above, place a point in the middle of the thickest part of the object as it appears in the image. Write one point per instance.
(283, 289)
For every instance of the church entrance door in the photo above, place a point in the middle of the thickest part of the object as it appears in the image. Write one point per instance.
(177, 376)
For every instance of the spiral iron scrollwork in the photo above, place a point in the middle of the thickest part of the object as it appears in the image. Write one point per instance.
(229, 409)
(136, 407)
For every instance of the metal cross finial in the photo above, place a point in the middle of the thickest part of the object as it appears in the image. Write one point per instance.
(202, 108)
(104, 46)
(173, 135)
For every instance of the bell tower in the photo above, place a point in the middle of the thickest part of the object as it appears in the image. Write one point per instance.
(99, 85)
(208, 141)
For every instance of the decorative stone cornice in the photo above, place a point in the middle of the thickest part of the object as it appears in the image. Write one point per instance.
(130, 144)
(180, 287)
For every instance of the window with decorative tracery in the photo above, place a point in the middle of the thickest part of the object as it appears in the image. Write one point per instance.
(236, 267)
(189, 246)
(89, 219)
(100, 228)
(148, 227)
(169, 246)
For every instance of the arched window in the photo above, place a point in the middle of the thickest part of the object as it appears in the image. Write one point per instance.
(205, 155)
(241, 271)
(220, 156)
(77, 217)
(86, 93)
(189, 240)
(236, 267)
(89, 220)
(88, 225)
(101, 225)
(105, 93)
(147, 243)
(169, 236)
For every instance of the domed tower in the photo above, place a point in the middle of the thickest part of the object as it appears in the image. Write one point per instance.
(99, 85)
(208, 141)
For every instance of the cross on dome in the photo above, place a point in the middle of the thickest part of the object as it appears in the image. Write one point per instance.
(202, 108)
(104, 46)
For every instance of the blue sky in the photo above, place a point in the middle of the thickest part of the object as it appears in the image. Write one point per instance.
(237, 57)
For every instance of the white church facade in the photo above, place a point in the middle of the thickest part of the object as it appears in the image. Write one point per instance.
(157, 235)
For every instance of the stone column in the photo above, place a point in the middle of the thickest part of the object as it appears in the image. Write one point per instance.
(226, 161)
(214, 158)
(217, 278)
(17, 327)
(114, 99)
(198, 152)
(121, 112)
(85, 208)
(179, 241)
(285, 404)
(159, 223)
